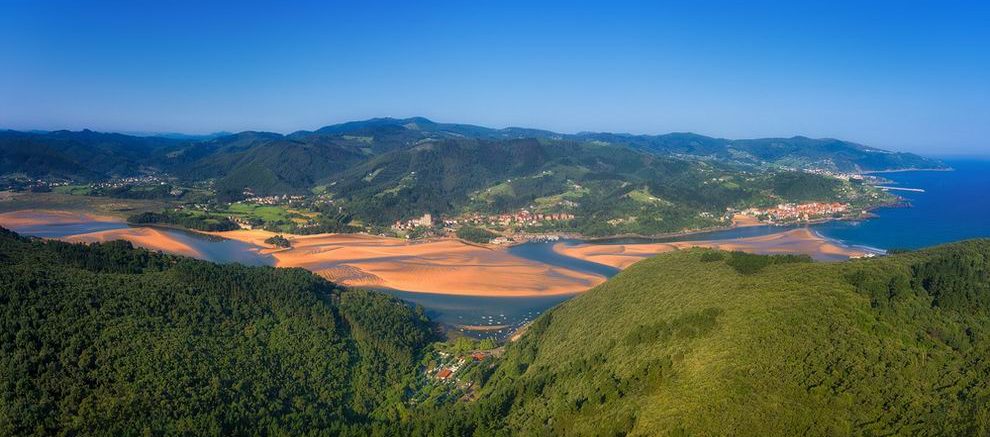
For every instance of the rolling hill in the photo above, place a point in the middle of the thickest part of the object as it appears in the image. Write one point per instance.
(84, 155)
(108, 339)
(320, 154)
(795, 152)
(383, 170)
(609, 189)
(710, 343)
(111, 339)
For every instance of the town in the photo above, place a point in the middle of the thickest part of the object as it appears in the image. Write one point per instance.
(789, 212)
(519, 218)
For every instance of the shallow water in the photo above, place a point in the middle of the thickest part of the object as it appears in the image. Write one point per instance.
(59, 230)
(954, 206)
(220, 250)
(543, 252)
(215, 249)
(460, 311)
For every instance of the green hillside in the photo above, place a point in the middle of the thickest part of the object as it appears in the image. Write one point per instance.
(83, 155)
(795, 152)
(609, 189)
(685, 344)
(275, 163)
(383, 170)
(111, 340)
(108, 339)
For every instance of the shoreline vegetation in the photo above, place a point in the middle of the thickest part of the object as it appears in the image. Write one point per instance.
(439, 266)
(904, 170)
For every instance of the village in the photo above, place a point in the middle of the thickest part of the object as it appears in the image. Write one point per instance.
(790, 212)
(519, 218)
(452, 374)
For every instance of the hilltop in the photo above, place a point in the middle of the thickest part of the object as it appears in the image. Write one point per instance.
(87, 154)
(377, 175)
(701, 342)
(108, 338)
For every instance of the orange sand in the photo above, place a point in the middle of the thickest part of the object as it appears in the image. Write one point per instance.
(31, 217)
(148, 238)
(441, 266)
(742, 221)
(623, 255)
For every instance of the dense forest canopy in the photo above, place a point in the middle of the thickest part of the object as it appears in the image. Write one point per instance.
(274, 163)
(106, 338)
(705, 343)
(109, 339)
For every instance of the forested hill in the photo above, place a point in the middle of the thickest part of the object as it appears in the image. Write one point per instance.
(285, 163)
(794, 152)
(108, 339)
(112, 340)
(710, 343)
(610, 190)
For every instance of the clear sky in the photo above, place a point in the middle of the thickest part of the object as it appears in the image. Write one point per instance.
(904, 75)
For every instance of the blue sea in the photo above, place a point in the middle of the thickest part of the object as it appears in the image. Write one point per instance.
(954, 206)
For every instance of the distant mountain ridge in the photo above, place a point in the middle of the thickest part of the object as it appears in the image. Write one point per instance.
(87, 155)
(795, 152)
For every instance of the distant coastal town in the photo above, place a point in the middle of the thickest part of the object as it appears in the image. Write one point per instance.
(198, 206)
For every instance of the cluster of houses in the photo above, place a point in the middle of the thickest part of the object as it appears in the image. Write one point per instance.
(787, 212)
(426, 220)
(837, 175)
(283, 199)
(451, 364)
(243, 222)
(136, 180)
(523, 217)
(19, 182)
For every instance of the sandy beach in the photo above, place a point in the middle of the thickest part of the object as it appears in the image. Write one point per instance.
(797, 241)
(444, 266)
(148, 238)
(744, 221)
(441, 266)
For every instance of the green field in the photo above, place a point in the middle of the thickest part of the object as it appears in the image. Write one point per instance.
(264, 212)
(75, 190)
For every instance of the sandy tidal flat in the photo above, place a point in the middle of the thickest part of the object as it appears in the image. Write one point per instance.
(440, 266)
(797, 241)
(445, 266)
(146, 237)
(25, 218)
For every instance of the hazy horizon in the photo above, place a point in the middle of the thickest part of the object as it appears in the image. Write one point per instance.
(904, 77)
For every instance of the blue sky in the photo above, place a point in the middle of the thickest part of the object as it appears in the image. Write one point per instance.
(901, 75)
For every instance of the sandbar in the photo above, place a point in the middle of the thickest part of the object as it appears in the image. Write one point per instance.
(146, 237)
(34, 217)
(797, 241)
(745, 221)
(445, 266)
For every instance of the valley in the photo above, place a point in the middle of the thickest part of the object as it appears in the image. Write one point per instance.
(494, 219)
(414, 178)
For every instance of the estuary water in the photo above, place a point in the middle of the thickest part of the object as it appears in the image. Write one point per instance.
(954, 205)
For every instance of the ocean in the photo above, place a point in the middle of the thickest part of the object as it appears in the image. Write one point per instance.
(954, 206)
